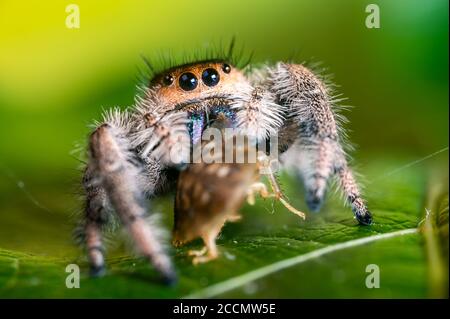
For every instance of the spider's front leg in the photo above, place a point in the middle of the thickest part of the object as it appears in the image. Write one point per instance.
(114, 175)
(311, 136)
(97, 215)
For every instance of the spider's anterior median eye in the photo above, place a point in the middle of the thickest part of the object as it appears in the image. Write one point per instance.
(226, 68)
(210, 77)
(188, 81)
(168, 80)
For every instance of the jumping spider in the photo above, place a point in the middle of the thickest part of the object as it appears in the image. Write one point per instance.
(130, 151)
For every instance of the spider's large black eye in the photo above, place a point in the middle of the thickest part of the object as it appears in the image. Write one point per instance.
(210, 77)
(188, 81)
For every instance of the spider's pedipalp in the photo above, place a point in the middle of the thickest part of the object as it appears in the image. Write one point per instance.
(165, 138)
(258, 115)
(160, 134)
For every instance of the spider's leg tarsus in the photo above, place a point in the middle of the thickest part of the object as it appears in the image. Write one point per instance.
(353, 196)
(365, 218)
(97, 271)
(95, 252)
(97, 214)
(314, 199)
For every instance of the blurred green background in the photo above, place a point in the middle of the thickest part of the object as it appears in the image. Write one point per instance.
(55, 81)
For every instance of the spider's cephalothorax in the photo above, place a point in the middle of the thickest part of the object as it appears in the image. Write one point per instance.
(132, 151)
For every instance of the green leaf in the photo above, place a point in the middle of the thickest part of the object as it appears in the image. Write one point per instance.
(270, 253)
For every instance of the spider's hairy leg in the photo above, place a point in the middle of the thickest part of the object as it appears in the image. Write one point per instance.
(118, 172)
(311, 133)
(352, 193)
(97, 213)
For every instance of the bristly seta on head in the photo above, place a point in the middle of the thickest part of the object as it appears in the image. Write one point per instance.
(164, 60)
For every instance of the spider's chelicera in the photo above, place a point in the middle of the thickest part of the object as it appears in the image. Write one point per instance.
(131, 151)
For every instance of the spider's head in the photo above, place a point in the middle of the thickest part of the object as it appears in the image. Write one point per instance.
(204, 90)
(186, 86)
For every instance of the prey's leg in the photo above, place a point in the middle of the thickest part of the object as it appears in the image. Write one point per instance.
(261, 188)
(234, 218)
(211, 248)
(197, 253)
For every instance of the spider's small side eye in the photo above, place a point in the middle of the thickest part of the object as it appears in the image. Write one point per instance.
(188, 81)
(226, 68)
(210, 77)
(168, 79)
